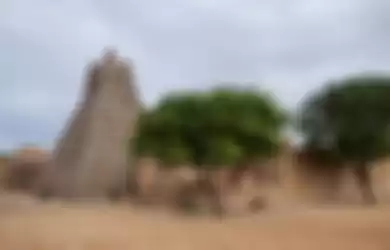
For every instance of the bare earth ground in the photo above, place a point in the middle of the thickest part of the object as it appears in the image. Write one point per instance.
(26, 225)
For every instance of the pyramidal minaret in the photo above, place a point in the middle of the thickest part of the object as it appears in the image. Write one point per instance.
(91, 155)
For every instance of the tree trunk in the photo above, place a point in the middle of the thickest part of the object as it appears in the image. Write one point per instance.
(236, 176)
(219, 187)
(210, 187)
(363, 177)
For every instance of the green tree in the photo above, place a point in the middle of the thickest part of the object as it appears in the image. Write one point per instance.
(348, 122)
(220, 128)
(211, 130)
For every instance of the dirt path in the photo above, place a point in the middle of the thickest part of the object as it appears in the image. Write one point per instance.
(44, 227)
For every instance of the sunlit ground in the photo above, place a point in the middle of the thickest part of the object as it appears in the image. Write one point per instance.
(26, 225)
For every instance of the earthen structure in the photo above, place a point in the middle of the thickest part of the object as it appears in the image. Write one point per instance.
(91, 156)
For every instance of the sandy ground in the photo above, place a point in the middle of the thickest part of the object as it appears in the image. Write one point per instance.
(27, 225)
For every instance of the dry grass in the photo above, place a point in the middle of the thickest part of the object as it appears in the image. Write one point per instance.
(99, 227)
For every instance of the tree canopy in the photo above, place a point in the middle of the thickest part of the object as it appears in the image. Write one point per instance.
(221, 127)
(349, 118)
(349, 122)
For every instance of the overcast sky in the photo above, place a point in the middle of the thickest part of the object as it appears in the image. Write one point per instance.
(287, 46)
